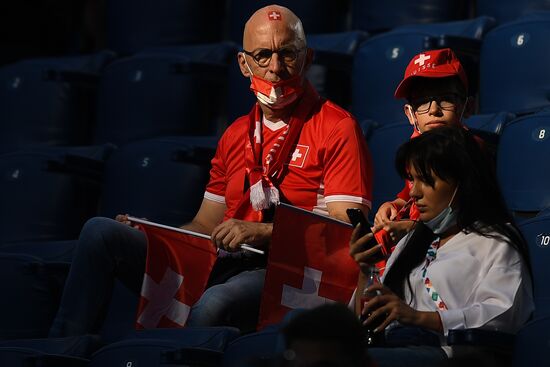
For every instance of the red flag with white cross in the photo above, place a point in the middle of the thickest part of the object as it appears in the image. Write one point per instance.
(309, 264)
(176, 272)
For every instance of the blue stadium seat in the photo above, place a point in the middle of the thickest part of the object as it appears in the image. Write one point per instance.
(383, 144)
(537, 234)
(36, 273)
(532, 346)
(188, 346)
(30, 294)
(51, 352)
(506, 11)
(255, 349)
(46, 250)
(48, 193)
(330, 72)
(489, 127)
(49, 101)
(381, 60)
(490, 122)
(135, 25)
(165, 91)
(160, 179)
(23, 357)
(379, 16)
(318, 16)
(121, 314)
(522, 168)
(514, 74)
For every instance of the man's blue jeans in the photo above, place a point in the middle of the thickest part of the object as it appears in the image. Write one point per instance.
(107, 250)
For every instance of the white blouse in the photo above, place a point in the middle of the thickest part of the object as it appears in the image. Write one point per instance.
(481, 280)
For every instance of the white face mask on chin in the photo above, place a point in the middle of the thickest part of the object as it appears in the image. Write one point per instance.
(444, 220)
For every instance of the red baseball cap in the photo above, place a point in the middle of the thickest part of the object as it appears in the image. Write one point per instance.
(431, 64)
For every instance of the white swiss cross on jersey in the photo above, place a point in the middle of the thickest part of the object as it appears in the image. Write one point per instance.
(299, 156)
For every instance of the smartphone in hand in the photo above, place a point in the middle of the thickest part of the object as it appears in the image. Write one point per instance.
(356, 216)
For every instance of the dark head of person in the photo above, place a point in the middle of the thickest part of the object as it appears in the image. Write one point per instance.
(327, 336)
(453, 155)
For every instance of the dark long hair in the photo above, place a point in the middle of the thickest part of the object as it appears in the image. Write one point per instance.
(454, 155)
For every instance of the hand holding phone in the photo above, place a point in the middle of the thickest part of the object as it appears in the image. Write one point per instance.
(356, 216)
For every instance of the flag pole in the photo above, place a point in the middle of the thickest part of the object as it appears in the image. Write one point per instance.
(244, 246)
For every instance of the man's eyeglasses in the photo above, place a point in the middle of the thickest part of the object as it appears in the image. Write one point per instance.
(446, 102)
(262, 56)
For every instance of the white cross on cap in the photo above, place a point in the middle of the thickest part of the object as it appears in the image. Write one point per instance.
(274, 15)
(421, 59)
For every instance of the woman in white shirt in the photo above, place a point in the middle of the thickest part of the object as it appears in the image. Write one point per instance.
(465, 265)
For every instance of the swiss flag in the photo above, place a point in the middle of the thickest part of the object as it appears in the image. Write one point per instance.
(177, 270)
(309, 264)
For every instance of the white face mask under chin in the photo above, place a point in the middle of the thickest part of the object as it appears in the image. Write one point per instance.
(445, 219)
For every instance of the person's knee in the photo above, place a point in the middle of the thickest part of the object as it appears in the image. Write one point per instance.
(212, 308)
(98, 226)
(99, 233)
(234, 303)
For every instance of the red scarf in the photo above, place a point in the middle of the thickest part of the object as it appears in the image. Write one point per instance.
(261, 172)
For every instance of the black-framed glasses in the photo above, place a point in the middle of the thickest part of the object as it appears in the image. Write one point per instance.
(262, 56)
(447, 102)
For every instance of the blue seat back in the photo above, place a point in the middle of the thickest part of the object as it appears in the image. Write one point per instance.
(135, 352)
(330, 72)
(24, 357)
(514, 74)
(159, 92)
(135, 25)
(537, 234)
(152, 347)
(522, 168)
(48, 193)
(383, 144)
(489, 122)
(162, 179)
(255, 349)
(77, 346)
(30, 294)
(507, 11)
(377, 16)
(380, 62)
(532, 346)
(49, 101)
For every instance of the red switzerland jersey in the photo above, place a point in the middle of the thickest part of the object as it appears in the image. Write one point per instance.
(329, 163)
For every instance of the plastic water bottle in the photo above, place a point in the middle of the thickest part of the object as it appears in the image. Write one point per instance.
(372, 338)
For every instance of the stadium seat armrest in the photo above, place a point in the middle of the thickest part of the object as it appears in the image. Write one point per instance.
(193, 357)
(58, 360)
(484, 338)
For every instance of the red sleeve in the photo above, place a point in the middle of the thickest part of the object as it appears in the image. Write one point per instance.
(347, 155)
(215, 190)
